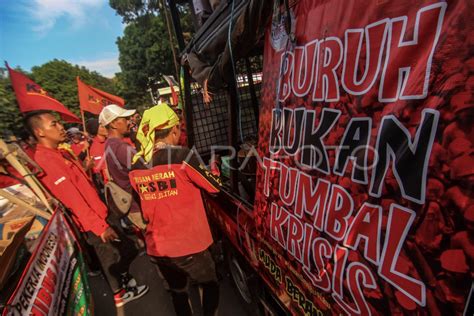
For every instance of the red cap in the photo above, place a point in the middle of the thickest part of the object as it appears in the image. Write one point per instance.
(454, 260)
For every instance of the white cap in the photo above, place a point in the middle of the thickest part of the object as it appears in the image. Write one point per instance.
(111, 112)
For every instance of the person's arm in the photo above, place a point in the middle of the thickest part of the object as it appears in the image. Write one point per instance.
(199, 174)
(85, 146)
(61, 187)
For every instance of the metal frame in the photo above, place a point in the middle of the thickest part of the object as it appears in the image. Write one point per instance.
(218, 122)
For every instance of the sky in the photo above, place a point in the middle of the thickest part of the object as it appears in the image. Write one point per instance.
(82, 32)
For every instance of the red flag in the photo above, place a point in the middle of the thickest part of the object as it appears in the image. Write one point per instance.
(174, 95)
(93, 100)
(31, 97)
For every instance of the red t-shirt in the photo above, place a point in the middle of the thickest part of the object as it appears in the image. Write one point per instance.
(128, 140)
(66, 180)
(97, 151)
(172, 204)
(77, 148)
(29, 150)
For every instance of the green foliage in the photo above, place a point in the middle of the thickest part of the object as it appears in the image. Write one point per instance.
(136, 98)
(130, 10)
(58, 77)
(10, 116)
(145, 54)
(145, 49)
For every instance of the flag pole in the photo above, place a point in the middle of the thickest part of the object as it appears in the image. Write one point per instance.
(87, 140)
(84, 129)
(83, 126)
(82, 115)
(82, 112)
(83, 121)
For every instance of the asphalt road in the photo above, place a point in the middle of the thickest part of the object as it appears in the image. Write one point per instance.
(158, 301)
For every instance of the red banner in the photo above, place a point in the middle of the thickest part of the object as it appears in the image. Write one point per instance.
(366, 135)
(31, 97)
(54, 281)
(93, 100)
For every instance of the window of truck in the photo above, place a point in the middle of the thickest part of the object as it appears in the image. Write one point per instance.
(211, 128)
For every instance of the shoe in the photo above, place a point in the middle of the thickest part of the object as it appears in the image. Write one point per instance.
(127, 281)
(129, 294)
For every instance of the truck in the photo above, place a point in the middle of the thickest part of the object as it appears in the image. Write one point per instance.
(348, 165)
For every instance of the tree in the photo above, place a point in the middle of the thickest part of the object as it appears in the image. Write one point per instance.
(131, 10)
(145, 54)
(10, 116)
(145, 48)
(58, 77)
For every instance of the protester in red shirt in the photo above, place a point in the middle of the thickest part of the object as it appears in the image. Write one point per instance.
(97, 148)
(68, 182)
(169, 179)
(119, 153)
(79, 144)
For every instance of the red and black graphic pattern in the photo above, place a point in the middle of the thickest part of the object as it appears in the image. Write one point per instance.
(365, 197)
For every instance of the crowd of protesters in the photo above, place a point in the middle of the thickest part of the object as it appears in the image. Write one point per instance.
(66, 178)
(165, 179)
(77, 167)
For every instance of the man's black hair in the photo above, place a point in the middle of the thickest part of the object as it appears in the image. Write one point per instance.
(32, 120)
(92, 126)
(23, 134)
(162, 133)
